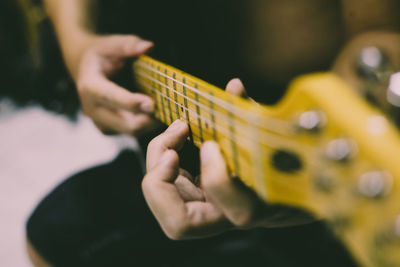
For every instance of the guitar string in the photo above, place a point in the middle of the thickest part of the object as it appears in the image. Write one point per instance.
(303, 173)
(278, 181)
(243, 114)
(143, 74)
(224, 105)
(192, 112)
(220, 102)
(209, 110)
(193, 120)
(283, 143)
(267, 136)
(309, 162)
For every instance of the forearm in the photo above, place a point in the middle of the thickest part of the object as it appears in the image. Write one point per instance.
(70, 20)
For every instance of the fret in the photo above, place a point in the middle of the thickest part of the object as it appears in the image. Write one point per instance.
(233, 144)
(196, 97)
(212, 114)
(186, 109)
(175, 94)
(168, 97)
(162, 98)
(155, 96)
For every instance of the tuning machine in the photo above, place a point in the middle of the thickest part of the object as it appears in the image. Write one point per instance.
(375, 184)
(311, 121)
(374, 69)
(373, 64)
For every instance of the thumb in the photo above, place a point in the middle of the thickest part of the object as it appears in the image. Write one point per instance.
(166, 169)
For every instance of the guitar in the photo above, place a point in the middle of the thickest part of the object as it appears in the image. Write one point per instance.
(322, 148)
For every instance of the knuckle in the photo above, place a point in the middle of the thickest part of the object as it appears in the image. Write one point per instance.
(156, 142)
(146, 183)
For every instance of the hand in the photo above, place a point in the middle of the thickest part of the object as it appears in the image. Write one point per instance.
(186, 208)
(111, 107)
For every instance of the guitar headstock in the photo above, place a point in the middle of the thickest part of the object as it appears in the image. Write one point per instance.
(341, 159)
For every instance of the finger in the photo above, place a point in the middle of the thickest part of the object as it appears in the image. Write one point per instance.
(161, 194)
(109, 120)
(236, 87)
(173, 138)
(125, 46)
(179, 220)
(236, 204)
(115, 96)
(187, 190)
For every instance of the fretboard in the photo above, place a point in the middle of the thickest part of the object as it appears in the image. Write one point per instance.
(212, 114)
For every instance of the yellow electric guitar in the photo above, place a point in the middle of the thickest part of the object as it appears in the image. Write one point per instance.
(322, 148)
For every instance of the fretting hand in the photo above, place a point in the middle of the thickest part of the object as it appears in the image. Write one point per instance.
(111, 107)
(188, 209)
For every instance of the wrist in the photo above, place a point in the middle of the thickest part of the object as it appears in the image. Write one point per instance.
(73, 47)
(69, 19)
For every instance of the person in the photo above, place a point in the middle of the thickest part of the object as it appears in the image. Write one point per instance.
(87, 230)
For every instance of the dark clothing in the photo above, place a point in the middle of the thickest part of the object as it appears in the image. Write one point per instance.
(99, 218)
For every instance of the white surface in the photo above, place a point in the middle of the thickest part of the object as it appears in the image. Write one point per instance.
(37, 151)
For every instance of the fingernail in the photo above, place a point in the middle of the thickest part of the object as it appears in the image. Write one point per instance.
(176, 125)
(147, 106)
(143, 45)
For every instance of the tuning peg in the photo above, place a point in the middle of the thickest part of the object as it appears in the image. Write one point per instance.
(311, 120)
(375, 184)
(340, 149)
(372, 63)
(393, 90)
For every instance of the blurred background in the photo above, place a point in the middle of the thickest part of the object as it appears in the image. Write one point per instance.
(43, 136)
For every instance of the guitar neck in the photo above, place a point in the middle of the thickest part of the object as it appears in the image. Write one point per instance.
(212, 114)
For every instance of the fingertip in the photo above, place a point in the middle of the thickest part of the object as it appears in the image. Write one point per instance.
(135, 47)
(236, 87)
(238, 82)
(168, 158)
(144, 46)
(147, 106)
(177, 126)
